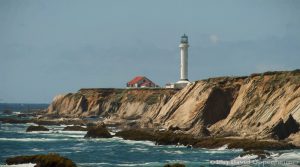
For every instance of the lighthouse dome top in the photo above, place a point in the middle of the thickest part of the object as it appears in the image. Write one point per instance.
(184, 39)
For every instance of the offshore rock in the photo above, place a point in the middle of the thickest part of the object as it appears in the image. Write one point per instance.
(14, 121)
(99, 131)
(49, 160)
(74, 128)
(174, 165)
(36, 128)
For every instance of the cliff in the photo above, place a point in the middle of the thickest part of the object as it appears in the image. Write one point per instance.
(263, 105)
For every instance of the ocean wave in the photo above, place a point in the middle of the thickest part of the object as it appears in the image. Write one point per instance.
(32, 139)
(37, 149)
(73, 132)
(94, 164)
(112, 133)
(245, 158)
(34, 124)
(119, 139)
(149, 143)
(138, 149)
(120, 164)
(225, 147)
(57, 131)
(16, 112)
(214, 151)
(66, 135)
(37, 132)
(287, 156)
(173, 152)
(53, 133)
(173, 146)
(221, 149)
(19, 165)
(275, 159)
(139, 164)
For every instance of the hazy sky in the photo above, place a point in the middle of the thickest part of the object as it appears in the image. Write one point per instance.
(48, 47)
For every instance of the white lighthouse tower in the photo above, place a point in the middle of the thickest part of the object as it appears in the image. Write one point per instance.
(184, 58)
(184, 45)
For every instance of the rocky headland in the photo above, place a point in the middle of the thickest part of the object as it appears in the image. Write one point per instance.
(260, 106)
(250, 112)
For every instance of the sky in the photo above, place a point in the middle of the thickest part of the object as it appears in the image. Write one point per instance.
(59, 46)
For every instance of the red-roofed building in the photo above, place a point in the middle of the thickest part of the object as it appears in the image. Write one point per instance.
(141, 82)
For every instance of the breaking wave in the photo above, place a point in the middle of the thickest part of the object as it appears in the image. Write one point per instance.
(32, 139)
(19, 165)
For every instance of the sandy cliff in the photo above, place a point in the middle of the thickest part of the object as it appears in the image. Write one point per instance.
(262, 105)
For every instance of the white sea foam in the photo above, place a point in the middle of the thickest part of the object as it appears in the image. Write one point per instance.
(125, 164)
(145, 142)
(16, 112)
(41, 132)
(245, 158)
(214, 151)
(221, 150)
(225, 147)
(117, 138)
(275, 159)
(139, 164)
(288, 156)
(94, 164)
(173, 146)
(34, 124)
(31, 139)
(141, 149)
(112, 133)
(149, 143)
(138, 149)
(173, 152)
(76, 135)
(73, 132)
(19, 165)
(37, 149)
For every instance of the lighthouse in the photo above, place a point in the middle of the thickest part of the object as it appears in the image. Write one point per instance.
(184, 45)
(183, 81)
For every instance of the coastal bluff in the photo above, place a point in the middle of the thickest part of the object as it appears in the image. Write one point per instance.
(260, 106)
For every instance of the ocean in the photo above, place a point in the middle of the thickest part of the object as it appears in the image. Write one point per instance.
(14, 140)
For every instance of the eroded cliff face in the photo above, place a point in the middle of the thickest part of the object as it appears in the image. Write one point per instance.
(111, 104)
(262, 105)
